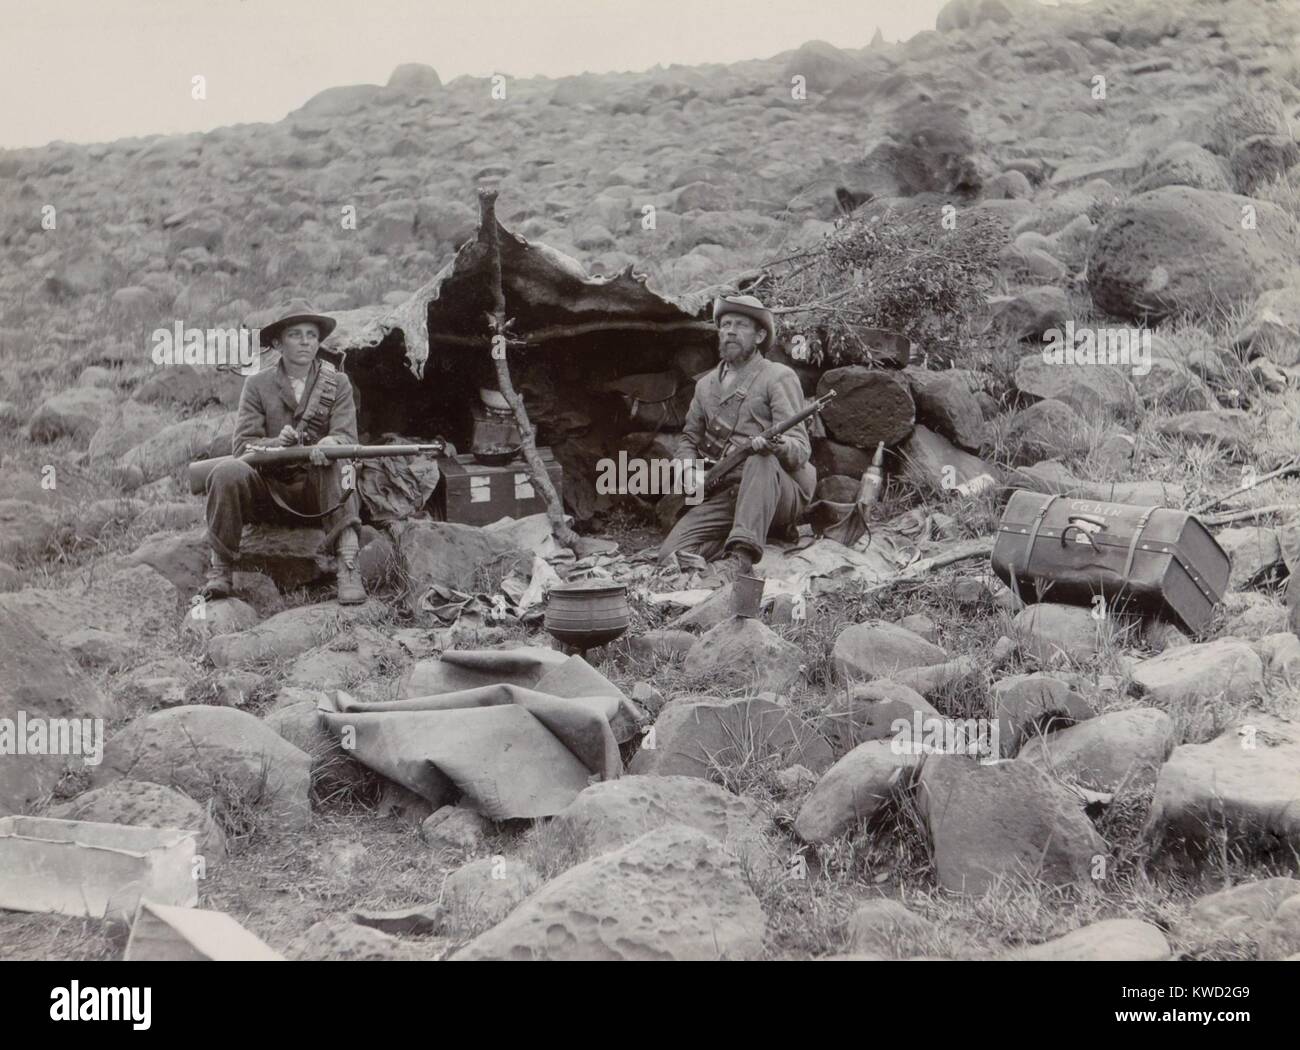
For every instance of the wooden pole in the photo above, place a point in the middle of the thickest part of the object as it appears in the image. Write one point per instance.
(499, 345)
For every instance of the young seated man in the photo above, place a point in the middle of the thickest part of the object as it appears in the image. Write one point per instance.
(303, 400)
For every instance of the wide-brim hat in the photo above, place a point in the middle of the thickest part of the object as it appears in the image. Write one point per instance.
(295, 311)
(750, 307)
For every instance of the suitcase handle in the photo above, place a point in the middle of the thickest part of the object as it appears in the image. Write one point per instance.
(1099, 522)
(1082, 532)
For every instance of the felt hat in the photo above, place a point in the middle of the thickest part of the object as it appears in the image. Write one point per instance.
(295, 311)
(750, 307)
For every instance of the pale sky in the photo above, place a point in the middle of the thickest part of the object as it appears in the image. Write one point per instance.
(97, 70)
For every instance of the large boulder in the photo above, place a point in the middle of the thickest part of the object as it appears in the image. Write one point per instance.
(946, 404)
(415, 80)
(876, 649)
(1049, 631)
(1240, 787)
(74, 413)
(868, 712)
(450, 555)
(149, 805)
(177, 445)
(1092, 390)
(1184, 164)
(697, 736)
(289, 633)
(213, 753)
(1005, 820)
(1228, 668)
(854, 789)
(1236, 915)
(1111, 940)
(613, 813)
(674, 893)
(1117, 750)
(39, 680)
(1231, 428)
(1043, 430)
(26, 529)
(133, 601)
(930, 459)
(1026, 704)
(870, 406)
(128, 424)
(745, 651)
(1181, 251)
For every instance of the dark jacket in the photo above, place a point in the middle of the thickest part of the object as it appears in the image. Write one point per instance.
(267, 406)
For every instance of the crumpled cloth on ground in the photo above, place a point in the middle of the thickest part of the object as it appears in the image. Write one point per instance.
(517, 732)
(396, 487)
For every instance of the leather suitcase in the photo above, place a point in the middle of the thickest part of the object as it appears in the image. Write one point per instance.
(1148, 559)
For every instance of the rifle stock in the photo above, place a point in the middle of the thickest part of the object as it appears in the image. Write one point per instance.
(258, 456)
(715, 474)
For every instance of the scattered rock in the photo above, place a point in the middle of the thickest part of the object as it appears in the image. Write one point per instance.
(289, 633)
(489, 889)
(74, 413)
(1236, 915)
(139, 802)
(213, 752)
(741, 650)
(876, 649)
(1177, 250)
(868, 712)
(696, 735)
(1049, 631)
(1045, 428)
(887, 928)
(1254, 550)
(1111, 940)
(338, 940)
(673, 894)
(853, 790)
(1119, 750)
(615, 812)
(1027, 704)
(454, 828)
(1227, 668)
(38, 678)
(207, 620)
(1241, 785)
(1007, 819)
(1230, 427)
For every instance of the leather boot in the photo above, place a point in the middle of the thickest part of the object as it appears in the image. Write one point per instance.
(736, 562)
(218, 581)
(351, 591)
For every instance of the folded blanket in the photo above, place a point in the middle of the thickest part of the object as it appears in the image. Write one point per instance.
(518, 732)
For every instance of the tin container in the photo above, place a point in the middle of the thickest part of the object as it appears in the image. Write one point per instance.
(1151, 559)
(747, 596)
(87, 868)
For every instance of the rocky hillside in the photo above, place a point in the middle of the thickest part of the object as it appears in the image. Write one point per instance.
(1133, 169)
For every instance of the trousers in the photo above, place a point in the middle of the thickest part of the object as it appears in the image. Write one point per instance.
(239, 495)
(741, 515)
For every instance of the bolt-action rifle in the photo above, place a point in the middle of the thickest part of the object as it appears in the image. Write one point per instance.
(716, 474)
(261, 455)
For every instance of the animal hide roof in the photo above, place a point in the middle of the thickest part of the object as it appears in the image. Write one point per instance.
(547, 293)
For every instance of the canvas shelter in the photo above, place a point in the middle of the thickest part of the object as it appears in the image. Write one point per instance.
(602, 354)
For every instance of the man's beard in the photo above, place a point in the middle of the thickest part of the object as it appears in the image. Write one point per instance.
(734, 353)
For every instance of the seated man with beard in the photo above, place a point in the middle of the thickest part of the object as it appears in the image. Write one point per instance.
(733, 404)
